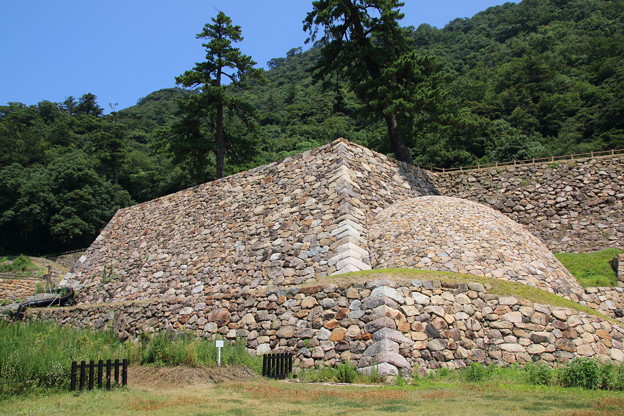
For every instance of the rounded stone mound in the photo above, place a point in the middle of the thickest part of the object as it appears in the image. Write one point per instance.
(458, 235)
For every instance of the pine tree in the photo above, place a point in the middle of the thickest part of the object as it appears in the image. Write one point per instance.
(205, 113)
(363, 43)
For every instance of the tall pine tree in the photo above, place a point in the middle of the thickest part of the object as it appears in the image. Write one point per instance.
(363, 43)
(204, 114)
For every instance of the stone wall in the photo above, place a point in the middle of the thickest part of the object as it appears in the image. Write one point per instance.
(391, 324)
(618, 266)
(573, 206)
(279, 224)
(441, 233)
(17, 289)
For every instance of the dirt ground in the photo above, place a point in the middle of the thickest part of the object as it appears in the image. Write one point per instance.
(174, 377)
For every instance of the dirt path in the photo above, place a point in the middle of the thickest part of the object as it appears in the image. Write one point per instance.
(175, 377)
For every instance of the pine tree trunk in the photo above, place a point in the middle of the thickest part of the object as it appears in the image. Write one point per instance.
(220, 139)
(400, 150)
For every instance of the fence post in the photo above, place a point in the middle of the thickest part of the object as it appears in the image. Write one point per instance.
(100, 369)
(264, 365)
(117, 372)
(91, 374)
(82, 374)
(74, 371)
(290, 360)
(108, 374)
(124, 372)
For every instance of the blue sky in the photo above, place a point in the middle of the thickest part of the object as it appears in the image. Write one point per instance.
(121, 50)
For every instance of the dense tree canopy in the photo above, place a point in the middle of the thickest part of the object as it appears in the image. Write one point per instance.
(516, 81)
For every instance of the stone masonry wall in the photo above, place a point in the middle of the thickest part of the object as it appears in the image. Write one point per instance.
(618, 266)
(573, 206)
(442, 233)
(15, 289)
(390, 324)
(279, 224)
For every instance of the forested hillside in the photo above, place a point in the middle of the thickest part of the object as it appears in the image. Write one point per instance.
(538, 78)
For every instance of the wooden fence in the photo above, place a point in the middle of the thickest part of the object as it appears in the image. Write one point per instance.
(551, 159)
(98, 374)
(276, 365)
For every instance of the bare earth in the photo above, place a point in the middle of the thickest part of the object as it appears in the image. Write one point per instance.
(174, 377)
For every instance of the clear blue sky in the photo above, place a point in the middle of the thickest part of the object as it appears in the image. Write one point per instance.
(121, 50)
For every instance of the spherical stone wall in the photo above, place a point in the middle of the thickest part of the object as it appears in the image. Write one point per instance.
(458, 235)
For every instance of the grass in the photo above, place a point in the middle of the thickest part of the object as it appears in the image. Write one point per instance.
(591, 269)
(37, 355)
(19, 265)
(278, 398)
(492, 285)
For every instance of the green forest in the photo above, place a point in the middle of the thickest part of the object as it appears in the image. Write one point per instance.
(516, 81)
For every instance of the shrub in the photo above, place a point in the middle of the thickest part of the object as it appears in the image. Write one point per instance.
(443, 372)
(581, 372)
(538, 374)
(476, 372)
(346, 373)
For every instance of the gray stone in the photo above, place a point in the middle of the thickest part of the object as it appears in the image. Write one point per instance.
(385, 291)
(380, 323)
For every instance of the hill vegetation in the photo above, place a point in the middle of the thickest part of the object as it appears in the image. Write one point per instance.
(537, 78)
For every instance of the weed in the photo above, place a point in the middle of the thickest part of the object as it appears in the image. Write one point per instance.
(346, 373)
(443, 372)
(475, 372)
(108, 274)
(400, 381)
(538, 374)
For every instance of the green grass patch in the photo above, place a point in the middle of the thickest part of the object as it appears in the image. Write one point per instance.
(591, 269)
(38, 355)
(492, 285)
(20, 265)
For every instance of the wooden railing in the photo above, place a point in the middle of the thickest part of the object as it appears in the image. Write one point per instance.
(276, 365)
(551, 159)
(98, 375)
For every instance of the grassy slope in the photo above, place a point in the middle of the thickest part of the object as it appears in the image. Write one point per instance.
(591, 269)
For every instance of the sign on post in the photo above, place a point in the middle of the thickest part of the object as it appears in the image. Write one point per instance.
(219, 345)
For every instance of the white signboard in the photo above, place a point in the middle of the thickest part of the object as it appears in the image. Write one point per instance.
(219, 345)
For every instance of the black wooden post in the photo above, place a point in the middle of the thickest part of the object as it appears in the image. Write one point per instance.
(117, 372)
(82, 374)
(124, 372)
(100, 369)
(91, 375)
(108, 374)
(74, 371)
(264, 365)
(289, 362)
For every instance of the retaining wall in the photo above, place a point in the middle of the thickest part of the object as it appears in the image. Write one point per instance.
(573, 206)
(391, 324)
(15, 289)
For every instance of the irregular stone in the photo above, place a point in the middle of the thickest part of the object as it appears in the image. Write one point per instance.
(379, 323)
(387, 292)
